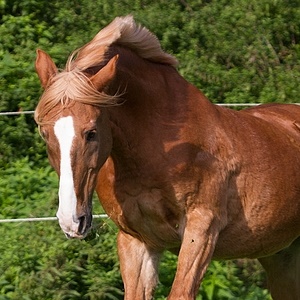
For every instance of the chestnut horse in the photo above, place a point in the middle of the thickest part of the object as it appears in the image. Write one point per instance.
(172, 170)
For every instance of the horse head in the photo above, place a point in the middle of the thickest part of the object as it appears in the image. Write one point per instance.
(77, 134)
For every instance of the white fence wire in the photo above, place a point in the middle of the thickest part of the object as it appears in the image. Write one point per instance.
(28, 112)
(15, 113)
(102, 216)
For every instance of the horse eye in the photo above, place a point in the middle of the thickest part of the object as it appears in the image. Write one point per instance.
(90, 135)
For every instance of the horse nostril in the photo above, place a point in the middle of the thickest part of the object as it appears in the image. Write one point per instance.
(82, 224)
(67, 235)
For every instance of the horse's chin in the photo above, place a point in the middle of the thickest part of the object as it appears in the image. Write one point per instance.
(74, 235)
(71, 234)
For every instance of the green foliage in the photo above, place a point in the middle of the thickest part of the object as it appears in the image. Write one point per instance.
(41, 264)
(235, 51)
(37, 261)
(242, 50)
(27, 191)
(233, 280)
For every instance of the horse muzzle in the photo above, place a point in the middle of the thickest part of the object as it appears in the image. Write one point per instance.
(75, 227)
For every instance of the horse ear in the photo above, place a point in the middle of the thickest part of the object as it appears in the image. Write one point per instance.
(45, 67)
(105, 75)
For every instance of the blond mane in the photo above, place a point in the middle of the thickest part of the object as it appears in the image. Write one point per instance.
(122, 31)
(73, 84)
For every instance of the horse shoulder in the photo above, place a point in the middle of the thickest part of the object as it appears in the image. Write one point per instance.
(105, 191)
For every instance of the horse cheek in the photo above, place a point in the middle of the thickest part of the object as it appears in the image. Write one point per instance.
(54, 159)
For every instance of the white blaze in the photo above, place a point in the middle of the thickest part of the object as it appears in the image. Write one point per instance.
(65, 133)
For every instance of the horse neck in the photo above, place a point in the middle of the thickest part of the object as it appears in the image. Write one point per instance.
(157, 103)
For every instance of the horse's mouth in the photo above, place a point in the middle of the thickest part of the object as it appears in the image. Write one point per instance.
(78, 229)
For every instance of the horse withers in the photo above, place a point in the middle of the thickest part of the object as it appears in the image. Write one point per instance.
(172, 170)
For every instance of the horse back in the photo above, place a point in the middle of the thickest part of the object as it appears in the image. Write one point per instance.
(284, 116)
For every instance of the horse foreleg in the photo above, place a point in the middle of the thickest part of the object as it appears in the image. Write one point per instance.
(283, 272)
(138, 264)
(197, 247)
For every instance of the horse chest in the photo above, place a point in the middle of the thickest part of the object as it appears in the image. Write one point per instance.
(152, 209)
(153, 216)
